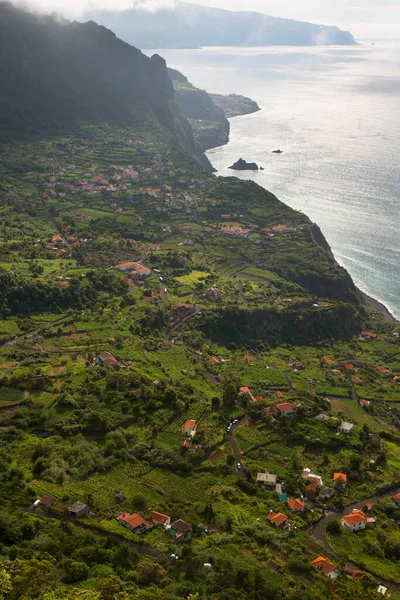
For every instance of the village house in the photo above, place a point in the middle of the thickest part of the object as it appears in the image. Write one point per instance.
(326, 361)
(245, 391)
(160, 519)
(311, 491)
(350, 368)
(324, 565)
(295, 505)
(365, 336)
(337, 372)
(134, 522)
(266, 479)
(383, 370)
(278, 394)
(364, 403)
(345, 427)
(340, 481)
(181, 531)
(78, 509)
(278, 519)
(189, 427)
(355, 521)
(248, 359)
(285, 408)
(106, 359)
(396, 498)
(185, 444)
(311, 477)
(214, 361)
(356, 380)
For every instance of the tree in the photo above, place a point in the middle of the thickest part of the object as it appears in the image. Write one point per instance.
(75, 571)
(5, 583)
(230, 390)
(334, 527)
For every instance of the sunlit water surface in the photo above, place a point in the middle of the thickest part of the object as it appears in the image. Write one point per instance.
(335, 112)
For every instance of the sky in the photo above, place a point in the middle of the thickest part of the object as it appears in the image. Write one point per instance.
(364, 18)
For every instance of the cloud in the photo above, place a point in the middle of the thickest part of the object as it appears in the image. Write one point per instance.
(75, 8)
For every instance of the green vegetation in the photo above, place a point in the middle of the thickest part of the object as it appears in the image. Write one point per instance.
(152, 317)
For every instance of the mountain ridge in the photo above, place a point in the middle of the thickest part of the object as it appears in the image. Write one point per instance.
(190, 26)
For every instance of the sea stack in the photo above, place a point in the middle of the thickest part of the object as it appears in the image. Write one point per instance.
(242, 165)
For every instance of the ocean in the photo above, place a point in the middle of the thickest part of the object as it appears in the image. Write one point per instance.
(335, 113)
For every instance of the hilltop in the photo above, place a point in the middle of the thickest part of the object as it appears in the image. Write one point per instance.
(193, 394)
(188, 25)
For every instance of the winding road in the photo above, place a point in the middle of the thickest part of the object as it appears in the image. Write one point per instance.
(319, 532)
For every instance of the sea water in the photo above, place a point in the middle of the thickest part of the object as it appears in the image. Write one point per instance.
(335, 114)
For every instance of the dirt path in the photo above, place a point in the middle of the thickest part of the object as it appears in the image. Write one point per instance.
(242, 296)
(319, 532)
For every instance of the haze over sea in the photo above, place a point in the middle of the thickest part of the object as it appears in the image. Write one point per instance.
(335, 112)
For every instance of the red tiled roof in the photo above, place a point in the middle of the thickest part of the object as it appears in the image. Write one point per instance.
(340, 476)
(248, 358)
(189, 423)
(278, 394)
(159, 517)
(276, 518)
(244, 390)
(181, 525)
(295, 504)
(355, 518)
(323, 564)
(382, 370)
(134, 520)
(284, 406)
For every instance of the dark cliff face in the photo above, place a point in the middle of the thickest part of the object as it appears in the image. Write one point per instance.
(54, 75)
(212, 127)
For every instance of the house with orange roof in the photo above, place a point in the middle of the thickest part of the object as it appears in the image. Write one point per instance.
(355, 521)
(278, 519)
(337, 372)
(278, 394)
(214, 361)
(383, 370)
(245, 391)
(185, 444)
(325, 566)
(160, 519)
(258, 399)
(295, 505)
(364, 403)
(189, 427)
(285, 408)
(134, 522)
(311, 491)
(356, 380)
(326, 361)
(248, 358)
(350, 368)
(396, 498)
(369, 506)
(339, 480)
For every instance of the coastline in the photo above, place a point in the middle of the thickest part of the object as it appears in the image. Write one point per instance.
(378, 307)
(372, 302)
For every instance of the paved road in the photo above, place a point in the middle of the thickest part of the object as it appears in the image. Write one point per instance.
(319, 532)
(234, 447)
(195, 312)
(140, 548)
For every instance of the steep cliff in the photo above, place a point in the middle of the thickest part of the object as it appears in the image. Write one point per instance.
(56, 75)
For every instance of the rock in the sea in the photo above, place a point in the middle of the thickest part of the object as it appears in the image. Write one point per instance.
(242, 165)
